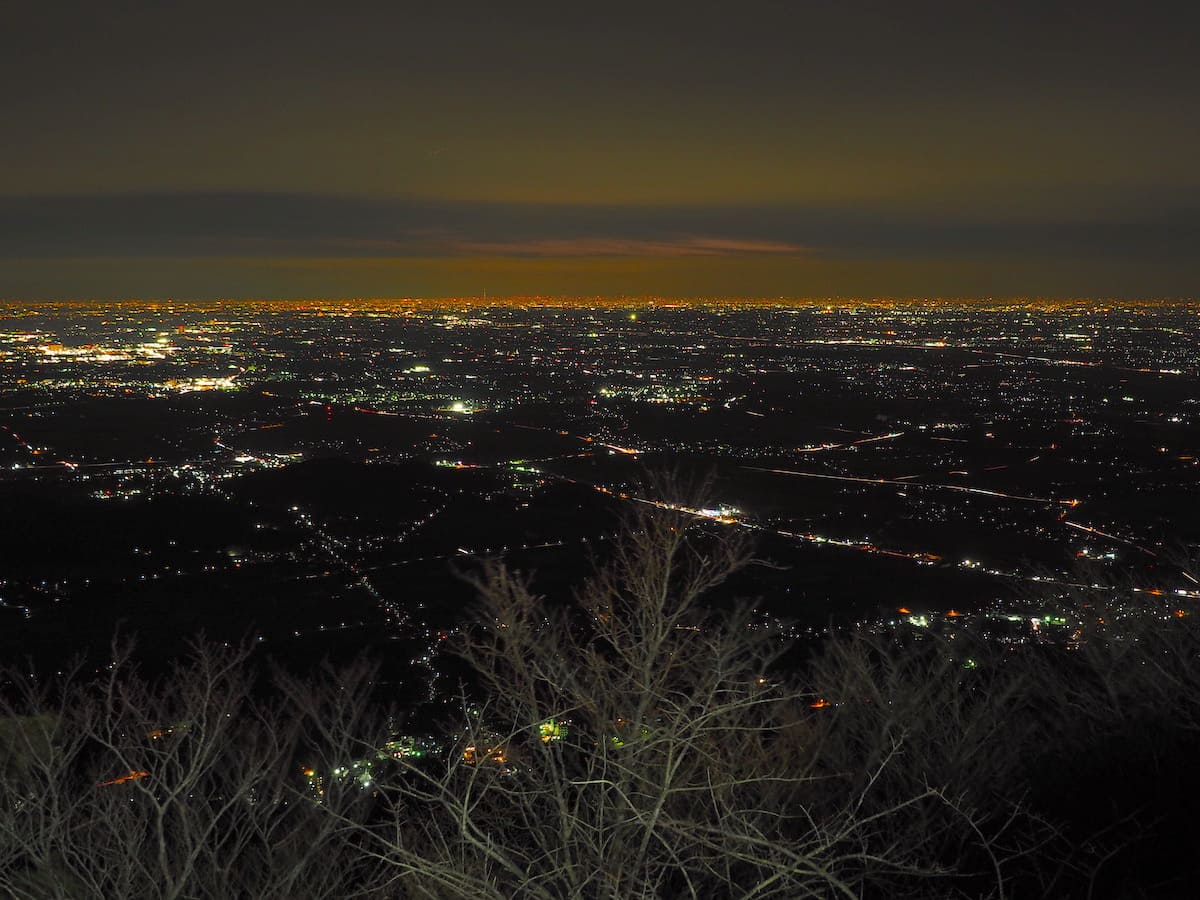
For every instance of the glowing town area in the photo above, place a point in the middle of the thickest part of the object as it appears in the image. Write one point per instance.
(319, 475)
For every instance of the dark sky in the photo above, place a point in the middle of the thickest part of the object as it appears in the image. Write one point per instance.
(740, 148)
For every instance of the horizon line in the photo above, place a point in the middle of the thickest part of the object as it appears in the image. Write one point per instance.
(649, 300)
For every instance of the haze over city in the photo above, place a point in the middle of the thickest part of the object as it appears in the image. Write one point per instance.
(788, 149)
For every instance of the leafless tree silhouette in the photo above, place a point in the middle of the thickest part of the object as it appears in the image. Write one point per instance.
(638, 741)
(637, 744)
(181, 787)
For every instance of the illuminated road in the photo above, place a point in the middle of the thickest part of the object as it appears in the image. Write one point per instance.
(846, 446)
(905, 483)
(1106, 534)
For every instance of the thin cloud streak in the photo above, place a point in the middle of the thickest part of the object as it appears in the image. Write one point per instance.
(600, 246)
(277, 225)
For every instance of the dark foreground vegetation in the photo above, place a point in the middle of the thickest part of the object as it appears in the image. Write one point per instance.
(634, 743)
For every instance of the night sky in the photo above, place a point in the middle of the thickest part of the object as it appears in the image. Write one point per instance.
(690, 149)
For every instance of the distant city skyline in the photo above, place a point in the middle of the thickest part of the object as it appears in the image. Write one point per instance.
(773, 149)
